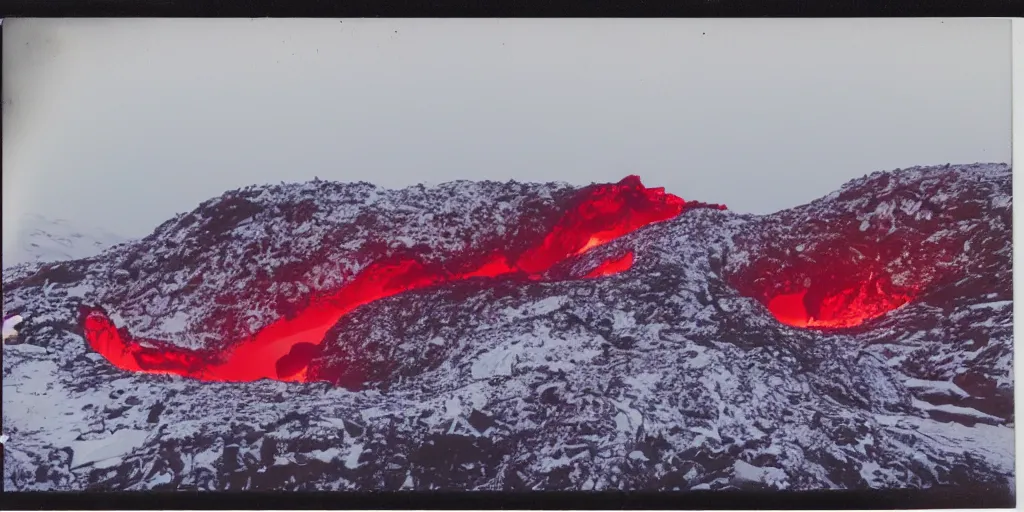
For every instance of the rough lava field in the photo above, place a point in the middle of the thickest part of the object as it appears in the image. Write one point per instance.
(518, 336)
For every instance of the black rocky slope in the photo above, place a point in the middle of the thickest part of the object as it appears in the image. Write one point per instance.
(670, 375)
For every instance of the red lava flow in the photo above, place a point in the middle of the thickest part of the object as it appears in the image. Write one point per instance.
(838, 309)
(282, 349)
(613, 266)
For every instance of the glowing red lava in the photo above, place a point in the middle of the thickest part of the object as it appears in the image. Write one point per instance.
(613, 266)
(283, 349)
(835, 309)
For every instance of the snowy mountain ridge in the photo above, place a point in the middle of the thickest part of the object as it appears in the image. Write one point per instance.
(40, 239)
(671, 374)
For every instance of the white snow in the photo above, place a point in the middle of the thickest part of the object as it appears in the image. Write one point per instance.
(746, 472)
(9, 326)
(995, 443)
(80, 290)
(498, 361)
(541, 307)
(352, 461)
(39, 403)
(453, 408)
(628, 420)
(623, 320)
(910, 207)
(373, 412)
(936, 387)
(622, 423)
(644, 382)
(175, 323)
(326, 455)
(161, 478)
(638, 455)
(28, 347)
(1002, 201)
(114, 446)
(867, 471)
(994, 305)
(955, 409)
(40, 239)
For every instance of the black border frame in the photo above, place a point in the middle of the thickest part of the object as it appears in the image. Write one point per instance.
(939, 498)
(516, 8)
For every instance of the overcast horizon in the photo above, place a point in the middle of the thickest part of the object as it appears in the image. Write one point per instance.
(123, 123)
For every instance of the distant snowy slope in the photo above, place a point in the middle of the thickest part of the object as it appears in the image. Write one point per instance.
(39, 239)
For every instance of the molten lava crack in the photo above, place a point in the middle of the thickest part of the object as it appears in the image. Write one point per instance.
(848, 307)
(827, 292)
(613, 266)
(283, 349)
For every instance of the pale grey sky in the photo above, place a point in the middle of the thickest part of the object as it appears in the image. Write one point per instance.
(124, 123)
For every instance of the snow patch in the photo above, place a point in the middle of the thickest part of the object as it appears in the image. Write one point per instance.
(999, 304)
(40, 239)
(745, 472)
(327, 455)
(109, 449)
(176, 323)
(541, 307)
(496, 362)
(9, 330)
(955, 409)
(352, 461)
(638, 455)
(936, 387)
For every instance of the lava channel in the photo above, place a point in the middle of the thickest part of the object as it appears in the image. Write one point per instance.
(838, 304)
(283, 349)
(845, 308)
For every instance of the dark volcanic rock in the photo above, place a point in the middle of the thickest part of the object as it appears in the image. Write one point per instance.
(671, 375)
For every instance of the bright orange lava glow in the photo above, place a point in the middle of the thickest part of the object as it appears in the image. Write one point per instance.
(613, 266)
(837, 309)
(283, 349)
